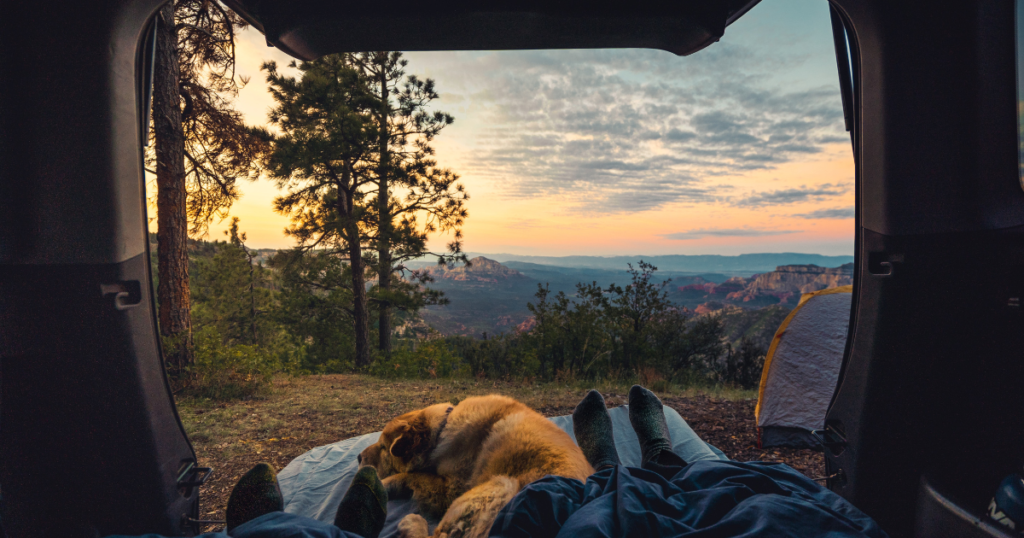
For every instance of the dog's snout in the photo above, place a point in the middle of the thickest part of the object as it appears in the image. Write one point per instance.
(359, 459)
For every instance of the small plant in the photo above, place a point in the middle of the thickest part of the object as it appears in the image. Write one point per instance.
(431, 359)
(225, 372)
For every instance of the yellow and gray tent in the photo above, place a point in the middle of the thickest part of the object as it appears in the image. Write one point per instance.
(801, 369)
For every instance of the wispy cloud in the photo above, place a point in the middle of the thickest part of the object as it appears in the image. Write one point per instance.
(725, 232)
(833, 213)
(792, 196)
(634, 130)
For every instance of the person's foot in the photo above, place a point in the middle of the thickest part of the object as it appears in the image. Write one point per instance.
(593, 429)
(647, 416)
(257, 493)
(364, 507)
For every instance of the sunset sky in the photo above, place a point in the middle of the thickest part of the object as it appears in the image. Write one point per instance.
(739, 148)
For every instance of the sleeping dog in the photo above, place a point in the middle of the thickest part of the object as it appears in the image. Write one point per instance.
(465, 463)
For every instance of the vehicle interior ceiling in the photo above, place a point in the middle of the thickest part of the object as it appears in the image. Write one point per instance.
(925, 421)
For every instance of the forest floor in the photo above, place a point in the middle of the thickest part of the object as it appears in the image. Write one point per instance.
(300, 413)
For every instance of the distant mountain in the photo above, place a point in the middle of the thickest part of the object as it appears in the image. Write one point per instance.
(782, 286)
(480, 269)
(491, 297)
(743, 264)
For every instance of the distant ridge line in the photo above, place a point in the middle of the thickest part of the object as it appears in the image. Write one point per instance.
(681, 262)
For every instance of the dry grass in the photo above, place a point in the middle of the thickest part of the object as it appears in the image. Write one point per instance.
(304, 412)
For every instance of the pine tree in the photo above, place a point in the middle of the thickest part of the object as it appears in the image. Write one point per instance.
(232, 294)
(635, 308)
(316, 307)
(409, 183)
(323, 158)
(201, 144)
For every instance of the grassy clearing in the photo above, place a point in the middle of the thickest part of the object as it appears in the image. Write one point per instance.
(302, 412)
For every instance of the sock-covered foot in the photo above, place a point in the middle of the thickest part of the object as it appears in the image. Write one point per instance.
(593, 429)
(364, 507)
(257, 493)
(647, 417)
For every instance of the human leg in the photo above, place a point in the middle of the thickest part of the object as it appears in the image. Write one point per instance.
(256, 493)
(647, 416)
(593, 430)
(364, 507)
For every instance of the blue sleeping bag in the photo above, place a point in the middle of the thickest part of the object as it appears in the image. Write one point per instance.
(705, 498)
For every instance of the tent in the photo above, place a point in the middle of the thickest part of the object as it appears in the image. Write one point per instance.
(801, 369)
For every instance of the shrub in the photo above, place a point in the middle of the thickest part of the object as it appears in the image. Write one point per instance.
(428, 359)
(743, 366)
(222, 371)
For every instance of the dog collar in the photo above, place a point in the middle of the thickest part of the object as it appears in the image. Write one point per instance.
(440, 427)
(444, 421)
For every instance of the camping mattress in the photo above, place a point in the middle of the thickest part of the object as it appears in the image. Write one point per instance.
(314, 482)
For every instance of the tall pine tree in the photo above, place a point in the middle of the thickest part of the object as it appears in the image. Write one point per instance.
(201, 144)
(323, 158)
(414, 196)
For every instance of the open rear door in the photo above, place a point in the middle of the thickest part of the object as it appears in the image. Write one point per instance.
(928, 416)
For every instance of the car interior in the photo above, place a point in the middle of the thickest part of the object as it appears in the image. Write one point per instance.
(927, 416)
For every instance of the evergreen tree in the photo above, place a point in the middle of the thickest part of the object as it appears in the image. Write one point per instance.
(410, 185)
(323, 159)
(201, 144)
(317, 308)
(634, 308)
(232, 294)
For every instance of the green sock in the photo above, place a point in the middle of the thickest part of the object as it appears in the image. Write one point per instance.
(364, 507)
(593, 429)
(257, 493)
(647, 417)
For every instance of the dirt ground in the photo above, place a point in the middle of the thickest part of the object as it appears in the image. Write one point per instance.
(304, 412)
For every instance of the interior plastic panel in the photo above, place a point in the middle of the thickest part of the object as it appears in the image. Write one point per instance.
(71, 188)
(89, 436)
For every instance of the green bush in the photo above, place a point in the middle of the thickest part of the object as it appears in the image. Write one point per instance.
(743, 365)
(422, 360)
(223, 371)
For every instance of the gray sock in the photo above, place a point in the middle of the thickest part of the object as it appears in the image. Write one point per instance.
(648, 420)
(593, 429)
(364, 507)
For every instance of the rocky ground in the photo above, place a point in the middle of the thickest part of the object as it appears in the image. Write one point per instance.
(304, 412)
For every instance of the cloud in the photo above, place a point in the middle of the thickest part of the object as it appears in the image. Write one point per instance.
(834, 213)
(725, 232)
(792, 196)
(627, 130)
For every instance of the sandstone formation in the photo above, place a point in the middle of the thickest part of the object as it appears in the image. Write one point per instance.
(783, 286)
(480, 269)
(801, 279)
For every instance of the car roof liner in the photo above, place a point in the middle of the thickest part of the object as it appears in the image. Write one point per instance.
(309, 30)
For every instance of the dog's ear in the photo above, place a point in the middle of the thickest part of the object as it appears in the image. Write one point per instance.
(414, 438)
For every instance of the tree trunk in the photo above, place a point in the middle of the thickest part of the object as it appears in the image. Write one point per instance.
(346, 209)
(362, 324)
(252, 296)
(172, 218)
(384, 210)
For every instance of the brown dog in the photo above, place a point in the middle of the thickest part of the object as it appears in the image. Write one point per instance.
(467, 462)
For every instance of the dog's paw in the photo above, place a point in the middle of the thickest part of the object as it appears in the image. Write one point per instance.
(396, 487)
(413, 526)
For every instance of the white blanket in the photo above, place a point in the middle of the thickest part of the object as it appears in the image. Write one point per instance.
(314, 482)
